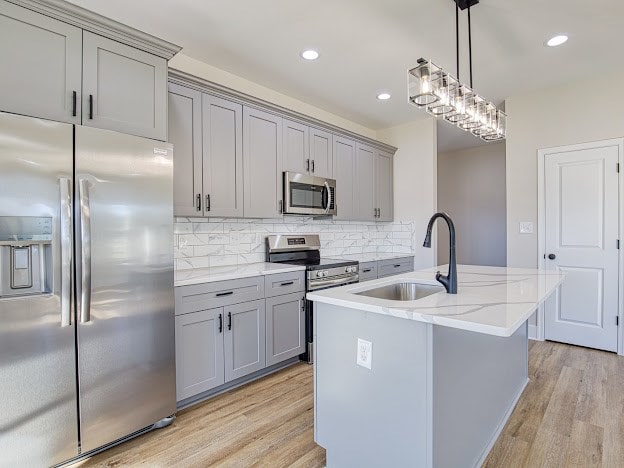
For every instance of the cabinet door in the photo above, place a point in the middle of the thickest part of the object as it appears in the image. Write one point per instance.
(124, 89)
(262, 163)
(199, 352)
(383, 187)
(321, 153)
(244, 339)
(365, 183)
(223, 157)
(185, 122)
(344, 169)
(296, 148)
(41, 61)
(285, 327)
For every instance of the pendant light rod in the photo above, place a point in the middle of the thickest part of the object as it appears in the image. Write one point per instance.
(469, 44)
(457, 37)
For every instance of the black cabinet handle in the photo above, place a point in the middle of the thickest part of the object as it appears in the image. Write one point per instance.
(198, 197)
(229, 293)
(313, 165)
(308, 165)
(287, 283)
(220, 323)
(74, 99)
(208, 202)
(397, 265)
(229, 320)
(552, 256)
(366, 270)
(90, 106)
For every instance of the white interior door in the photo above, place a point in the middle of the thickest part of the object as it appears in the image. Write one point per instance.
(581, 240)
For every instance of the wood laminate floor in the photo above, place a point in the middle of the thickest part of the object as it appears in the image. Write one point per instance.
(571, 414)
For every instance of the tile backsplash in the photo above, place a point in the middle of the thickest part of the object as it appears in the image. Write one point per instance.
(208, 242)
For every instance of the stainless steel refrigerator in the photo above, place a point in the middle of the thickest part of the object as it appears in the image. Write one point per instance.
(86, 288)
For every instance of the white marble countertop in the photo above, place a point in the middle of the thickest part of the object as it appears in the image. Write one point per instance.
(223, 273)
(490, 300)
(373, 257)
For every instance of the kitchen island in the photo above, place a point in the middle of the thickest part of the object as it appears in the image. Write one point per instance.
(425, 382)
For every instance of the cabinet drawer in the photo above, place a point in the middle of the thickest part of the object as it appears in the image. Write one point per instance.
(368, 271)
(218, 294)
(284, 283)
(395, 266)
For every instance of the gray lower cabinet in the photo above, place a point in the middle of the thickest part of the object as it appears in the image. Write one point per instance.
(199, 352)
(244, 339)
(262, 164)
(344, 173)
(124, 89)
(368, 271)
(394, 266)
(384, 186)
(285, 328)
(365, 183)
(41, 61)
(185, 132)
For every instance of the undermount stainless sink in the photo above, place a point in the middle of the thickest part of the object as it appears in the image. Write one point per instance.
(402, 291)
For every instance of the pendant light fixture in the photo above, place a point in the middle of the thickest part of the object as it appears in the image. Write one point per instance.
(444, 96)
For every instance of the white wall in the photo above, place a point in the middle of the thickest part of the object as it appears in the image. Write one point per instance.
(583, 111)
(471, 189)
(216, 75)
(568, 114)
(415, 179)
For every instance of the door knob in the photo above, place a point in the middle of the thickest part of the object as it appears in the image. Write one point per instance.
(552, 256)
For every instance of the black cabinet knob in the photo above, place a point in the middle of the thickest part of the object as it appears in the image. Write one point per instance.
(552, 256)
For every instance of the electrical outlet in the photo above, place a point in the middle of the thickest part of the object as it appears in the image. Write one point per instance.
(526, 227)
(364, 353)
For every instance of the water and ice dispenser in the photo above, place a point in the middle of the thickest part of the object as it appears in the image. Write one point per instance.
(25, 255)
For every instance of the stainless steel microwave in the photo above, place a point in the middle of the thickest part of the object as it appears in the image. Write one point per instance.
(309, 195)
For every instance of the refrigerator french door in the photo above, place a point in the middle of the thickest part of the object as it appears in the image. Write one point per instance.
(86, 305)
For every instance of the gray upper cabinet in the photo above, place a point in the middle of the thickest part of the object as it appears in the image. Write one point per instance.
(244, 339)
(124, 89)
(384, 186)
(185, 132)
(285, 329)
(41, 61)
(321, 153)
(296, 147)
(262, 164)
(199, 352)
(222, 157)
(344, 168)
(365, 183)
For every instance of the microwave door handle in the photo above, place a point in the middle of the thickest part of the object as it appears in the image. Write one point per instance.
(329, 199)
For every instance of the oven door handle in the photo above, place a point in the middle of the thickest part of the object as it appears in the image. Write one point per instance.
(343, 280)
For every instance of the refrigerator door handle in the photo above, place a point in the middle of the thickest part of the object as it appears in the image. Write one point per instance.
(66, 250)
(85, 243)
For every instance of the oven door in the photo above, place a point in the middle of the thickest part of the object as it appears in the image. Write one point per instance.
(309, 195)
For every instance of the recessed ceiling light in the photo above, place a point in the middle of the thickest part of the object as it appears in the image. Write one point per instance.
(384, 96)
(556, 40)
(310, 54)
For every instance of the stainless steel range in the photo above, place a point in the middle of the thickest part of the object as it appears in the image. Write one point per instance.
(321, 273)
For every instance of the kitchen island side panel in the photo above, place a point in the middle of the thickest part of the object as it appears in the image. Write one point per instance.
(477, 380)
(376, 417)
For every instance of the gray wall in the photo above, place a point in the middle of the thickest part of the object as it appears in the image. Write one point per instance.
(471, 188)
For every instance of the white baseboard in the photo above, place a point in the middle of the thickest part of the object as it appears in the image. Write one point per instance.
(533, 333)
(501, 425)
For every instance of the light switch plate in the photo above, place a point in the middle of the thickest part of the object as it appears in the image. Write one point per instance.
(364, 353)
(526, 227)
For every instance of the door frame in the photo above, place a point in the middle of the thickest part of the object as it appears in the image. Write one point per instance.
(541, 223)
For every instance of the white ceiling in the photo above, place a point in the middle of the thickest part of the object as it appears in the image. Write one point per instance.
(366, 46)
